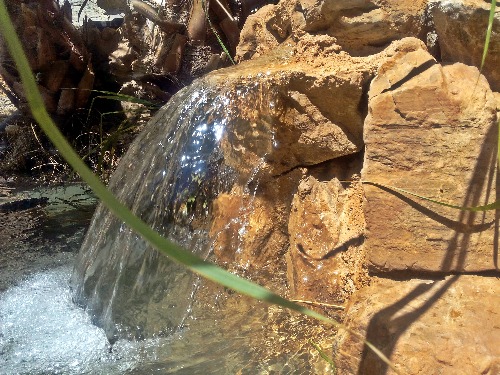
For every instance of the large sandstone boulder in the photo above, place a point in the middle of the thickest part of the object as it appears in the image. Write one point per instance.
(430, 130)
(447, 327)
(296, 159)
(315, 118)
(365, 26)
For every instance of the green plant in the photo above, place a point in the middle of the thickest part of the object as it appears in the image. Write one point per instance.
(323, 355)
(219, 39)
(103, 144)
(488, 33)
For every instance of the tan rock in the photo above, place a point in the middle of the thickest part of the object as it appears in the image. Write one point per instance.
(461, 26)
(249, 228)
(267, 29)
(430, 130)
(326, 233)
(361, 27)
(365, 26)
(425, 327)
(312, 99)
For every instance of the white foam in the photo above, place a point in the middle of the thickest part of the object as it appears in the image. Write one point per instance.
(41, 330)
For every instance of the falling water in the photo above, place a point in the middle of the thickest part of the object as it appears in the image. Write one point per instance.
(42, 331)
(144, 314)
(168, 178)
(211, 136)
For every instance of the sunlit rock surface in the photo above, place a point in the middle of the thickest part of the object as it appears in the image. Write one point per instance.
(360, 27)
(430, 130)
(326, 228)
(460, 28)
(447, 326)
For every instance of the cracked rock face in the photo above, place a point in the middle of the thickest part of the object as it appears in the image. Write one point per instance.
(315, 96)
(288, 210)
(460, 27)
(427, 132)
(361, 27)
(429, 129)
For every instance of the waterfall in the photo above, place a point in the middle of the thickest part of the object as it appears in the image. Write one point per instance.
(216, 171)
(170, 176)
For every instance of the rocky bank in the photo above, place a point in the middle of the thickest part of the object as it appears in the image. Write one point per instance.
(332, 106)
(387, 94)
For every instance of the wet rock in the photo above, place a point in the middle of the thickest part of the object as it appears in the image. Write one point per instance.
(430, 130)
(217, 169)
(316, 105)
(247, 166)
(461, 27)
(249, 227)
(446, 326)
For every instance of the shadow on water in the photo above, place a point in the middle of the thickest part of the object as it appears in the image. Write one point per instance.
(483, 179)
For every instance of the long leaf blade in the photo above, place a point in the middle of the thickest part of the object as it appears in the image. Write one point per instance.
(491, 18)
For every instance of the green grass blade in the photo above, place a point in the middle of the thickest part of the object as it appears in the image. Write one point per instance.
(487, 207)
(124, 98)
(109, 95)
(206, 269)
(491, 18)
(221, 43)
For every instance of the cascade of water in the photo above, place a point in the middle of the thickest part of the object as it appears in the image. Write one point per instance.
(169, 177)
(215, 170)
